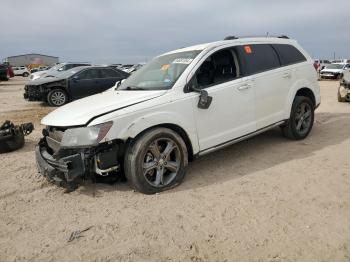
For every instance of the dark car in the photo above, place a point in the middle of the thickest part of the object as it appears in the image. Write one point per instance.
(6, 72)
(78, 82)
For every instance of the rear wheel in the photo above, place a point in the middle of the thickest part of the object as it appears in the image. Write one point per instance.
(57, 97)
(25, 74)
(156, 161)
(301, 119)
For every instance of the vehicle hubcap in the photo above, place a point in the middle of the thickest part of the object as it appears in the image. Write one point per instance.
(161, 162)
(58, 98)
(303, 118)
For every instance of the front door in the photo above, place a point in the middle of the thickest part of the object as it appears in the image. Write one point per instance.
(232, 112)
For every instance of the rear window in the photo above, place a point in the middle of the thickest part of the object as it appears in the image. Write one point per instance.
(288, 54)
(259, 58)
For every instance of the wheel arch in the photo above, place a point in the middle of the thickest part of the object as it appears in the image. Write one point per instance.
(305, 91)
(174, 127)
(301, 89)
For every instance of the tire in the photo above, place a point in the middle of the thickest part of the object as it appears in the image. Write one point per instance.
(159, 175)
(57, 97)
(25, 74)
(301, 119)
(340, 98)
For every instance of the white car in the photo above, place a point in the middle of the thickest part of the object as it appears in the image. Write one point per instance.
(181, 105)
(55, 69)
(20, 71)
(334, 71)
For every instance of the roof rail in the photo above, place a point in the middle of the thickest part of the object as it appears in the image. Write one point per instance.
(230, 37)
(253, 36)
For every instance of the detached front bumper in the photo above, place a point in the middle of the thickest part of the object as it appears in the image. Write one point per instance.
(63, 171)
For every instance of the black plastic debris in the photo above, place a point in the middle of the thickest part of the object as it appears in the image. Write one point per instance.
(12, 136)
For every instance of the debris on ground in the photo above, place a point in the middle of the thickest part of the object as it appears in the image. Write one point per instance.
(77, 234)
(12, 136)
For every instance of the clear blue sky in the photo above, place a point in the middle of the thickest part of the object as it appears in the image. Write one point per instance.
(135, 31)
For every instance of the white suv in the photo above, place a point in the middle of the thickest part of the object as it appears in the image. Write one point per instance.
(180, 105)
(20, 71)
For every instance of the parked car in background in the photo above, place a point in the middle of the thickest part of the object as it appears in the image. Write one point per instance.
(322, 63)
(341, 61)
(57, 68)
(6, 72)
(182, 104)
(21, 71)
(344, 87)
(126, 67)
(134, 68)
(72, 84)
(333, 71)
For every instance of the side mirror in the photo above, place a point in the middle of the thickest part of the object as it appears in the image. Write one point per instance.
(75, 78)
(204, 100)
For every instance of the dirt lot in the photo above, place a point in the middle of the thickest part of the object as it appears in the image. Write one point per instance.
(265, 199)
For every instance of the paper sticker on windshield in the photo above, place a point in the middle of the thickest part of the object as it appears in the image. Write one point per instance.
(248, 49)
(182, 61)
(165, 67)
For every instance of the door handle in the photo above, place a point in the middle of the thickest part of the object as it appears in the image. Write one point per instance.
(244, 87)
(286, 75)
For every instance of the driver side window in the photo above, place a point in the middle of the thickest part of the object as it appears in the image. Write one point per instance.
(220, 67)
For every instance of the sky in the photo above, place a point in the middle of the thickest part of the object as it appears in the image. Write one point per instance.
(131, 31)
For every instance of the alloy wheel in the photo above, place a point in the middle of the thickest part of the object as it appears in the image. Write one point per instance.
(303, 118)
(161, 162)
(58, 98)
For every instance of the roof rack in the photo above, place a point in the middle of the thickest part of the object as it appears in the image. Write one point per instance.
(236, 37)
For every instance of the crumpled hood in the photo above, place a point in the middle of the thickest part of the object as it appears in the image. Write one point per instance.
(79, 112)
(44, 80)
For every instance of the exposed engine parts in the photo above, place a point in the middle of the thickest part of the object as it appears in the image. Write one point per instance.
(12, 136)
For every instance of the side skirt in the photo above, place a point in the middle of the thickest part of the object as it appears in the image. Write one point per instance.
(236, 140)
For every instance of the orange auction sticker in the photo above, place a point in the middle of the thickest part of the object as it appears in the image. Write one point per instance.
(248, 49)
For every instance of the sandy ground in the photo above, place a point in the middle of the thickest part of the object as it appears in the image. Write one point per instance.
(265, 199)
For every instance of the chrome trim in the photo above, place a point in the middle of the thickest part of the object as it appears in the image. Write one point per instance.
(239, 139)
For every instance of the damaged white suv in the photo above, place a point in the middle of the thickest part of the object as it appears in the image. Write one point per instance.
(180, 105)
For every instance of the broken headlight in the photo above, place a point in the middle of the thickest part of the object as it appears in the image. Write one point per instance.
(85, 136)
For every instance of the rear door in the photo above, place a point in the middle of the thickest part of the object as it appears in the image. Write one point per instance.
(108, 78)
(84, 83)
(271, 82)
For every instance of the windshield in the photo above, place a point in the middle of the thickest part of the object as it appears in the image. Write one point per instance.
(161, 73)
(334, 66)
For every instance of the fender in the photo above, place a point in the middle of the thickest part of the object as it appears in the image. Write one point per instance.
(302, 83)
(161, 118)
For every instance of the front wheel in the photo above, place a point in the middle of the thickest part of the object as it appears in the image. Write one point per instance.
(156, 161)
(301, 119)
(25, 74)
(57, 97)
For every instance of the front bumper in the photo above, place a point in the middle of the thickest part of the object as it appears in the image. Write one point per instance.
(63, 171)
(329, 75)
(33, 93)
(67, 167)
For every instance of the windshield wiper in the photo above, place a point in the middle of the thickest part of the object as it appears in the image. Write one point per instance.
(134, 88)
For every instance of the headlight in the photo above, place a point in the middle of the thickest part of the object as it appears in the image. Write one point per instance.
(85, 136)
